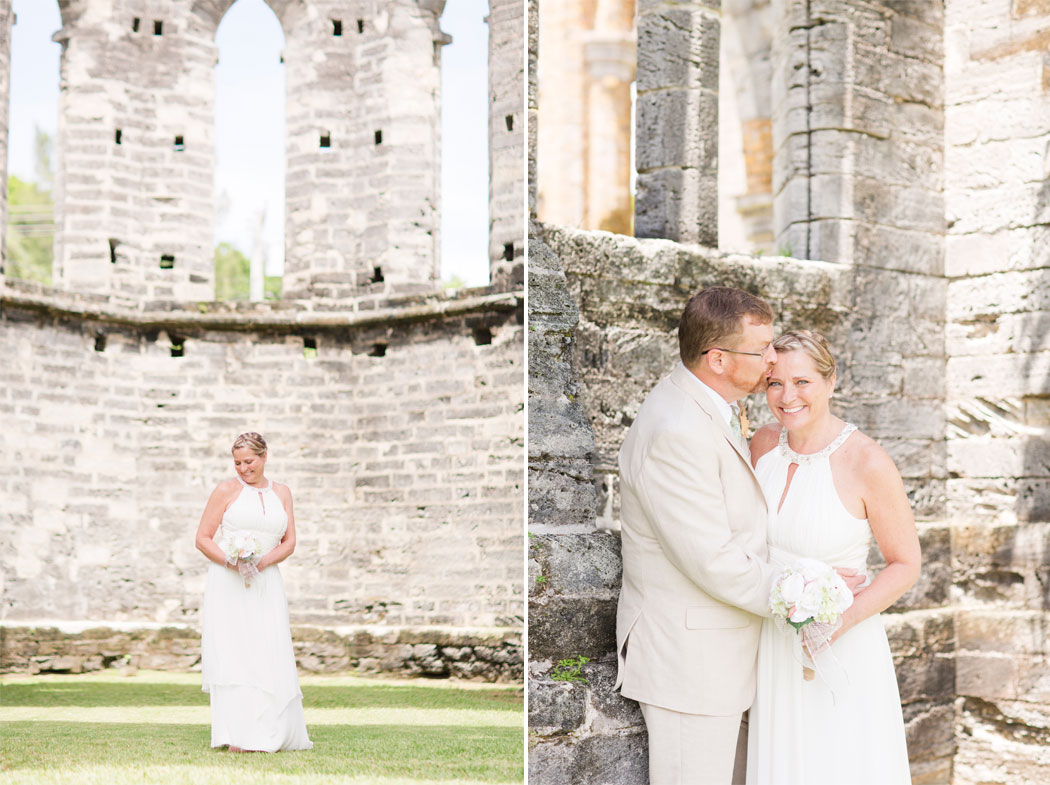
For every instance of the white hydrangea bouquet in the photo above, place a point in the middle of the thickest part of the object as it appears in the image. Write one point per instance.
(811, 597)
(243, 549)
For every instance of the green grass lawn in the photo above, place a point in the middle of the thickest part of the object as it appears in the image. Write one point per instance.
(108, 729)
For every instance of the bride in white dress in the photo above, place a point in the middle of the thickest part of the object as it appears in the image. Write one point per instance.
(829, 488)
(247, 660)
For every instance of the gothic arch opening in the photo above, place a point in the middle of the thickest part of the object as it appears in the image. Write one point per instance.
(31, 141)
(249, 153)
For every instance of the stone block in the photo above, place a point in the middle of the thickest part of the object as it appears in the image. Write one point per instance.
(677, 204)
(679, 129)
(579, 565)
(677, 47)
(620, 759)
(562, 628)
(556, 707)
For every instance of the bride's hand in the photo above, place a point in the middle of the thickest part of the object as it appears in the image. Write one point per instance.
(853, 579)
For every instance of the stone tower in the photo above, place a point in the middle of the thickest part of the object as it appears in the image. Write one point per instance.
(135, 208)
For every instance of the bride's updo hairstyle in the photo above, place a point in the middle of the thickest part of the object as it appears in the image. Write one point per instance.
(253, 441)
(813, 344)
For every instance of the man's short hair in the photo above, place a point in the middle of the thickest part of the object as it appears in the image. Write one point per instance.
(713, 317)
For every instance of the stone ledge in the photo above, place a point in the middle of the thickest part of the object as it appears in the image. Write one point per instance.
(493, 655)
(278, 315)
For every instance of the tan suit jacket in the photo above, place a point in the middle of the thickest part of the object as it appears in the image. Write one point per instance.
(695, 573)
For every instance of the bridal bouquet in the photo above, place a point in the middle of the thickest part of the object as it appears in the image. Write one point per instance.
(244, 549)
(810, 596)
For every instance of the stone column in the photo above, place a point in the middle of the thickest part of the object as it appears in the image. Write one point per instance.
(6, 20)
(134, 213)
(677, 121)
(506, 143)
(609, 62)
(363, 140)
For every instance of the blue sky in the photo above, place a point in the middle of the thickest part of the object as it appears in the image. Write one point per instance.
(248, 95)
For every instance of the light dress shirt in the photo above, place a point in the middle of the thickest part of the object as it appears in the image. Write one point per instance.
(721, 404)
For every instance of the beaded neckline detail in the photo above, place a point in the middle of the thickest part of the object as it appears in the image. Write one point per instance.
(803, 459)
(266, 487)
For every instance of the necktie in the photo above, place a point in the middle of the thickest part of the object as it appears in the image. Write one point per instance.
(734, 424)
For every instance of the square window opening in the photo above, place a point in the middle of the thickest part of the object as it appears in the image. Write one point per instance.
(158, 27)
(378, 350)
(326, 140)
(180, 143)
(508, 252)
(482, 336)
(337, 27)
(167, 261)
(377, 275)
(100, 342)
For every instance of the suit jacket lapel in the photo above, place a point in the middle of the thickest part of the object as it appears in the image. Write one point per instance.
(679, 376)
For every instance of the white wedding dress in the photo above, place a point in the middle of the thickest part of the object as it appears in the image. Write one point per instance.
(247, 660)
(804, 732)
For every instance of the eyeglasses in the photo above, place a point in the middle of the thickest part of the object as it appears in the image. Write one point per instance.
(732, 351)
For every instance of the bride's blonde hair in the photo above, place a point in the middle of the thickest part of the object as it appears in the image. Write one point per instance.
(251, 440)
(813, 344)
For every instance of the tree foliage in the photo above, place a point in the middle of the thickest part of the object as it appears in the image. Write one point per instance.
(30, 231)
(233, 276)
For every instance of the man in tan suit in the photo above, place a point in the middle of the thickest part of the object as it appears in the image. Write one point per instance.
(695, 575)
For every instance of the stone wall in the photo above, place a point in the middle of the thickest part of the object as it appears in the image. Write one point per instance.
(484, 655)
(506, 142)
(997, 254)
(396, 423)
(603, 314)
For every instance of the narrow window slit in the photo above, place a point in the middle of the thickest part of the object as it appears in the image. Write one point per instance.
(377, 275)
(379, 137)
(180, 143)
(113, 250)
(135, 24)
(178, 346)
(337, 27)
(309, 347)
(360, 25)
(508, 252)
(510, 122)
(100, 342)
(118, 136)
(158, 27)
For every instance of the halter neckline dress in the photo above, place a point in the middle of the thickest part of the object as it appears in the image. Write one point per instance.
(822, 732)
(247, 659)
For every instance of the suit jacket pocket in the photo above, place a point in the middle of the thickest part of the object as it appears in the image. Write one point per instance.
(716, 617)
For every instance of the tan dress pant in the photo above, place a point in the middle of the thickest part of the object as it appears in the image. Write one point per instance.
(695, 749)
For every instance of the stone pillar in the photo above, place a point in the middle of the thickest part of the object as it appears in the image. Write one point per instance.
(609, 62)
(677, 121)
(506, 143)
(997, 262)
(363, 123)
(6, 20)
(134, 215)
(857, 133)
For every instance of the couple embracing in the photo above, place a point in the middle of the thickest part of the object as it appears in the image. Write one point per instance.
(708, 524)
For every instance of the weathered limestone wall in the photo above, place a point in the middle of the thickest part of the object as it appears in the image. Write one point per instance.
(997, 194)
(5, 111)
(400, 436)
(603, 314)
(676, 125)
(136, 151)
(506, 142)
(363, 135)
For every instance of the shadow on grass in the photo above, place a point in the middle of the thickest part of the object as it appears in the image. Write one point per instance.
(314, 696)
(483, 754)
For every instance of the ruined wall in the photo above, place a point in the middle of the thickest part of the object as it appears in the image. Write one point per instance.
(135, 151)
(997, 194)
(363, 145)
(506, 142)
(397, 426)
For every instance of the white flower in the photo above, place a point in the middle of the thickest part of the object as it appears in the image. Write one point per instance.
(791, 587)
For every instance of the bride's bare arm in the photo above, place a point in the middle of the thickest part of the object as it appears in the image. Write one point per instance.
(211, 518)
(287, 544)
(893, 524)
